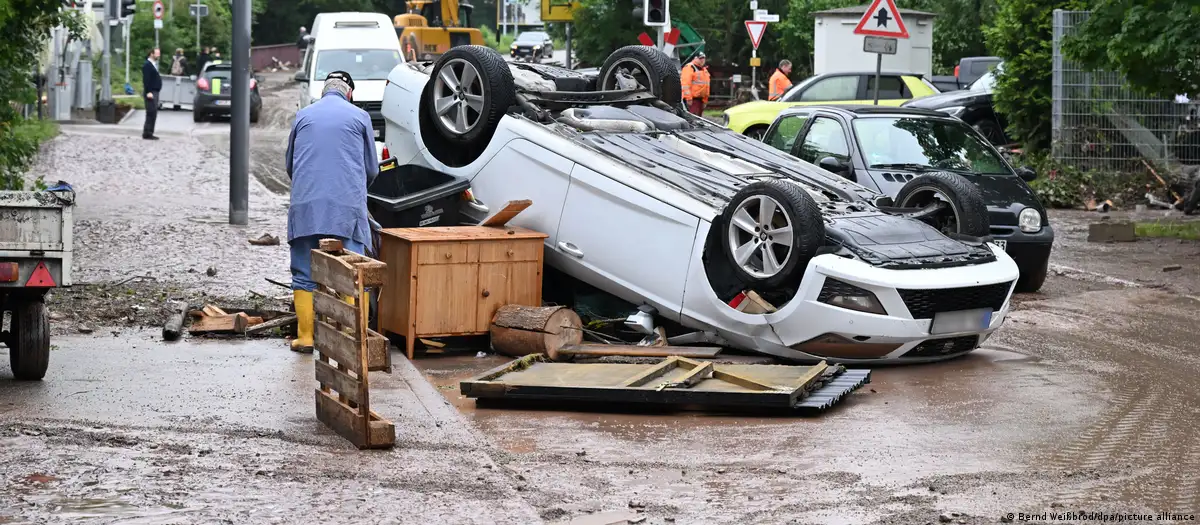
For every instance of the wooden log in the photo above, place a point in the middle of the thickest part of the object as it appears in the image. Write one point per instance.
(522, 330)
(174, 326)
(273, 323)
(235, 324)
(592, 350)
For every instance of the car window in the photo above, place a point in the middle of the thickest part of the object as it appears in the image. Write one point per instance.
(362, 64)
(793, 93)
(218, 72)
(832, 89)
(783, 135)
(980, 67)
(984, 83)
(890, 87)
(825, 138)
(938, 143)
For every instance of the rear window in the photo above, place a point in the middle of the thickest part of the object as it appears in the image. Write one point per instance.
(221, 73)
(889, 87)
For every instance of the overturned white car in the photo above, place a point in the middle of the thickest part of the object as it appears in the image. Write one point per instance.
(661, 208)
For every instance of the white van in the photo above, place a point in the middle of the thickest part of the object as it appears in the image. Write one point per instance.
(362, 44)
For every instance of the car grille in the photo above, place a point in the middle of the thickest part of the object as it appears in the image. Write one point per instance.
(370, 106)
(922, 304)
(941, 347)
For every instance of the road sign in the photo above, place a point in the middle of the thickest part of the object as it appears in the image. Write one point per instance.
(755, 62)
(753, 4)
(203, 10)
(157, 23)
(559, 10)
(880, 44)
(158, 10)
(882, 19)
(756, 30)
(765, 17)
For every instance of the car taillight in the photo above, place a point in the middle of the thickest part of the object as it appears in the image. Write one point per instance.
(253, 83)
(468, 196)
(202, 84)
(956, 71)
(386, 153)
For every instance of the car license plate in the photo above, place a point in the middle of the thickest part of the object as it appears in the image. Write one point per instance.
(222, 102)
(1003, 244)
(961, 321)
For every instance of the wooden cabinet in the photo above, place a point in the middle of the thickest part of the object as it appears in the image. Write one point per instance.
(450, 281)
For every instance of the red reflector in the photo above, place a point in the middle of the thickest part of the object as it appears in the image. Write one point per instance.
(386, 154)
(41, 277)
(9, 272)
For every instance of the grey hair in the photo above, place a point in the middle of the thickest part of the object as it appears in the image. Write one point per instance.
(336, 85)
(785, 63)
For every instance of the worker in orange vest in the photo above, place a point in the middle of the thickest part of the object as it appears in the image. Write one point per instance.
(779, 82)
(694, 80)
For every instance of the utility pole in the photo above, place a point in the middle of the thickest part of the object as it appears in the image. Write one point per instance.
(239, 133)
(106, 78)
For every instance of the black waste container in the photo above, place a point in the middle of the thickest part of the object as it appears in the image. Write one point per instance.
(414, 196)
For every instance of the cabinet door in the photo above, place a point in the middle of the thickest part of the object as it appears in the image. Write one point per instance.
(447, 298)
(507, 283)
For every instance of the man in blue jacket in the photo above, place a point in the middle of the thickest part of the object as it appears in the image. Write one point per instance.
(331, 160)
(151, 86)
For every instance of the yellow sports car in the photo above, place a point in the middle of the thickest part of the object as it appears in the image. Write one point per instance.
(753, 118)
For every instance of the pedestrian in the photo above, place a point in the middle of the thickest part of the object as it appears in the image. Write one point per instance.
(202, 60)
(695, 81)
(331, 161)
(302, 42)
(779, 82)
(151, 86)
(178, 63)
(216, 55)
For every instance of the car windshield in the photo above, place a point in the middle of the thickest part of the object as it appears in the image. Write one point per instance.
(925, 143)
(362, 64)
(532, 37)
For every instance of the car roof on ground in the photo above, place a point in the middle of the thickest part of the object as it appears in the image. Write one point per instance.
(864, 110)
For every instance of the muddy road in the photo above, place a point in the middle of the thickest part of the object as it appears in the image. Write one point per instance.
(1086, 400)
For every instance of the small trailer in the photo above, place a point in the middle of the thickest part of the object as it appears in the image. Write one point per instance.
(35, 257)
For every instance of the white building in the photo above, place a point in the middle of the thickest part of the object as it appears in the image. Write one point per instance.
(836, 48)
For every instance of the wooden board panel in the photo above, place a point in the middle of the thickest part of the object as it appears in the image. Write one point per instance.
(336, 309)
(506, 213)
(337, 346)
(524, 250)
(462, 233)
(506, 283)
(333, 272)
(236, 323)
(448, 253)
(347, 422)
(374, 273)
(338, 380)
(398, 286)
(378, 358)
(447, 298)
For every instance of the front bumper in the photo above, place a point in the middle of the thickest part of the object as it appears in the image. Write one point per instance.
(524, 52)
(1029, 250)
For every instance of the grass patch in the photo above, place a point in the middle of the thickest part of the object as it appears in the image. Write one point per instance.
(37, 130)
(1168, 230)
(713, 113)
(133, 100)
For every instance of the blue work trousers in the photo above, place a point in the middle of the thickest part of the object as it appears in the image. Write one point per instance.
(302, 248)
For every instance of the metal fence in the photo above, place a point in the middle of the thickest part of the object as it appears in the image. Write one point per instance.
(1099, 122)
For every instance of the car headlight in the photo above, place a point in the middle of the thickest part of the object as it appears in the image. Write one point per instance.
(845, 295)
(1030, 220)
(514, 46)
(535, 48)
(953, 111)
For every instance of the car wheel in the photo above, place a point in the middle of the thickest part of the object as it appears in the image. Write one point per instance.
(1033, 276)
(254, 117)
(472, 89)
(772, 230)
(197, 116)
(990, 131)
(956, 205)
(756, 132)
(648, 66)
(29, 341)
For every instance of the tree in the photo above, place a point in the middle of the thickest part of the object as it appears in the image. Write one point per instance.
(26, 26)
(1155, 45)
(1022, 34)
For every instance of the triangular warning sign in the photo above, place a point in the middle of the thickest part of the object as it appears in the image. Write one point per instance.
(882, 19)
(40, 278)
(756, 30)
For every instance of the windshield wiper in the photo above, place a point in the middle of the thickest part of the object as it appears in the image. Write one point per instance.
(906, 166)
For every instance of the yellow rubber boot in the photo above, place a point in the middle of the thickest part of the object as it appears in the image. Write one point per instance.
(304, 321)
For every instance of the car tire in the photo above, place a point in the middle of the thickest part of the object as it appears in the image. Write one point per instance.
(759, 258)
(649, 66)
(254, 117)
(473, 111)
(29, 340)
(1033, 276)
(197, 116)
(968, 211)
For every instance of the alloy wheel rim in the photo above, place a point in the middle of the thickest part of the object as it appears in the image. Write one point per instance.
(761, 236)
(458, 96)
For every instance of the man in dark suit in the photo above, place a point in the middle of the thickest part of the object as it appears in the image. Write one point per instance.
(151, 86)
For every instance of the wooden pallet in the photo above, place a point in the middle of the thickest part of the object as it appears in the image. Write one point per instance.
(346, 348)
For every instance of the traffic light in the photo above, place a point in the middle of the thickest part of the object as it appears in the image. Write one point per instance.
(654, 13)
(128, 8)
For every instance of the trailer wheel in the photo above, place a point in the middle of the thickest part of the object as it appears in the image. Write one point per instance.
(29, 341)
(964, 210)
(651, 68)
(772, 229)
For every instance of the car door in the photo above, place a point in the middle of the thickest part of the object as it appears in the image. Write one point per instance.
(837, 88)
(892, 90)
(782, 134)
(827, 136)
(524, 170)
(625, 242)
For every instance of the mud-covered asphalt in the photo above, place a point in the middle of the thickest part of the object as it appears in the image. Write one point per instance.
(1086, 400)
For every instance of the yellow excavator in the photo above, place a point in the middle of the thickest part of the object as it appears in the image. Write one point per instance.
(432, 27)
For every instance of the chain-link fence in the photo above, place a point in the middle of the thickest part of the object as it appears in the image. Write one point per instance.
(1098, 122)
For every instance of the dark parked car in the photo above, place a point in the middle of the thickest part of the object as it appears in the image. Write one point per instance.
(535, 45)
(967, 71)
(973, 105)
(214, 90)
(885, 148)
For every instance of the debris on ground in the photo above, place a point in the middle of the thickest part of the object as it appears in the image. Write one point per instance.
(751, 303)
(211, 272)
(173, 328)
(522, 330)
(1102, 207)
(265, 239)
(1111, 232)
(1172, 268)
(214, 320)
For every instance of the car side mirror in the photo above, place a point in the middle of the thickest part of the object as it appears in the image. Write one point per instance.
(832, 165)
(301, 76)
(1026, 173)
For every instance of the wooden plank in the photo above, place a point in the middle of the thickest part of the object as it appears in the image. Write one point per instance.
(337, 310)
(348, 423)
(374, 273)
(333, 246)
(364, 380)
(213, 311)
(236, 324)
(340, 347)
(461, 233)
(700, 352)
(742, 381)
(506, 213)
(398, 285)
(697, 375)
(333, 272)
(273, 323)
(342, 382)
(378, 357)
(651, 373)
(810, 376)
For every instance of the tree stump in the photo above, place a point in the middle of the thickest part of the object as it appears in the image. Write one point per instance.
(522, 330)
